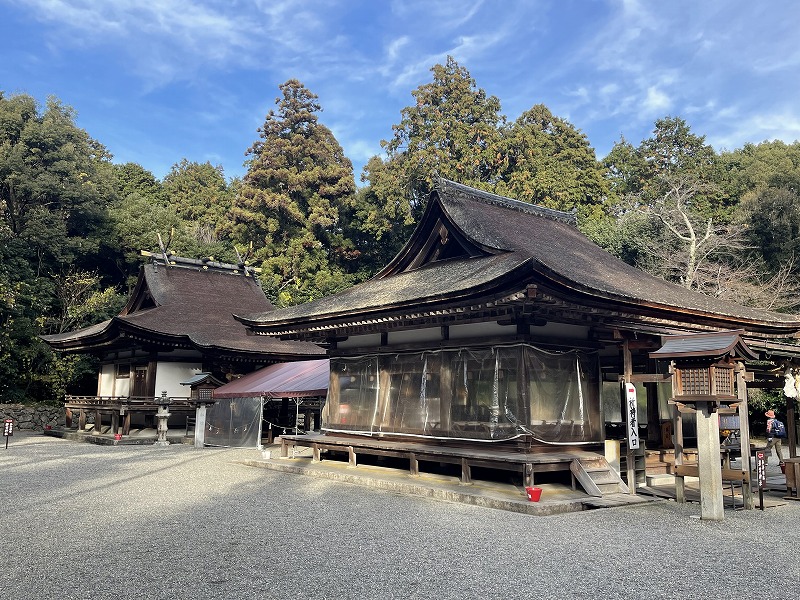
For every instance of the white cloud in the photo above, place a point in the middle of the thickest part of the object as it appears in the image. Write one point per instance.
(782, 125)
(655, 102)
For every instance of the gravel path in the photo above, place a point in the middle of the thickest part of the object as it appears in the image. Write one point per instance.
(84, 521)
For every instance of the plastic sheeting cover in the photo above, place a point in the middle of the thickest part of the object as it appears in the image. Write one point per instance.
(487, 394)
(234, 423)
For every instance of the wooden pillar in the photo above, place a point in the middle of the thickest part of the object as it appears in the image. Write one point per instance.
(81, 420)
(744, 437)
(68, 418)
(680, 484)
(98, 422)
(466, 472)
(653, 414)
(445, 392)
(413, 464)
(712, 507)
(791, 427)
(384, 409)
(630, 457)
(332, 402)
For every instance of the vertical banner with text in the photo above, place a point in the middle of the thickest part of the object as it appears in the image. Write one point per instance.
(632, 416)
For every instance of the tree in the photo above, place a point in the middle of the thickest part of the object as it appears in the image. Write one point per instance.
(771, 217)
(54, 183)
(758, 166)
(451, 130)
(690, 246)
(289, 203)
(676, 223)
(82, 301)
(546, 161)
(199, 195)
(55, 186)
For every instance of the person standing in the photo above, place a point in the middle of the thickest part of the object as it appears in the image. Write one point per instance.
(776, 431)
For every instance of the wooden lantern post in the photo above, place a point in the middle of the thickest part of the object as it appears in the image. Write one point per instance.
(708, 379)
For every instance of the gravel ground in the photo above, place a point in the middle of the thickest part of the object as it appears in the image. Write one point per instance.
(85, 521)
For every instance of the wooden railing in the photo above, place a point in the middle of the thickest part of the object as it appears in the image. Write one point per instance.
(119, 409)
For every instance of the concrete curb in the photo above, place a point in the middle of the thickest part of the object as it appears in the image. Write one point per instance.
(413, 488)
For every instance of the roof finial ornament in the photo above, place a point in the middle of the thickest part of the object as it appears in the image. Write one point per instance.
(439, 183)
(165, 247)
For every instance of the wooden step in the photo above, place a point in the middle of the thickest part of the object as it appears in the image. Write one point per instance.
(597, 477)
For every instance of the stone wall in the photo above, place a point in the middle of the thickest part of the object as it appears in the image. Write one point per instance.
(33, 416)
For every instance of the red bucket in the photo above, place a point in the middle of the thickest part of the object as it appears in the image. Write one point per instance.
(117, 436)
(534, 493)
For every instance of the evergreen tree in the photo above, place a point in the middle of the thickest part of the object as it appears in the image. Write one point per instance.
(451, 130)
(549, 162)
(289, 203)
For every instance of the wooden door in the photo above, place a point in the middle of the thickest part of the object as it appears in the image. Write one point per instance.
(139, 386)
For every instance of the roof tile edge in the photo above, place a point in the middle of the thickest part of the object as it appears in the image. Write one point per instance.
(444, 186)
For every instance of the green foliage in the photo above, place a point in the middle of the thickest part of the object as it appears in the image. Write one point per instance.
(772, 216)
(54, 182)
(82, 301)
(754, 166)
(455, 130)
(547, 161)
(452, 130)
(289, 203)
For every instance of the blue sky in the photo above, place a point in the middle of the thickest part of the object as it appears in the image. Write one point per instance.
(163, 80)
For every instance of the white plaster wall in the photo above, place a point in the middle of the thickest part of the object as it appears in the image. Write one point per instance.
(361, 341)
(562, 330)
(122, 386)
(105, 381)
(430, 334)
(478, 330)
(170, 374)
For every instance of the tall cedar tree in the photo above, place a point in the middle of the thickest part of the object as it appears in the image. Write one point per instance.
(289, 204)
(452, 130)
(547, 161)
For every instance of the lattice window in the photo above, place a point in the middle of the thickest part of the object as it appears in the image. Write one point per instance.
(695, 382)
(723, 380)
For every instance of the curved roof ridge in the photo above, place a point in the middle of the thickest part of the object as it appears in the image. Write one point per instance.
(444, 186)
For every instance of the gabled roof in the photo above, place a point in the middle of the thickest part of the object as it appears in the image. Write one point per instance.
(186, 305)
(302, 379)
(712, 345)
(474, 248)
(201, 378)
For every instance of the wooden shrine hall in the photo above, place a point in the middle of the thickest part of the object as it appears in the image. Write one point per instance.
(176, 339)
(501, 337)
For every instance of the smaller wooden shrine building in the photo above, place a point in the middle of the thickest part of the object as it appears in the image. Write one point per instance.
(176, 334)
(499, 336)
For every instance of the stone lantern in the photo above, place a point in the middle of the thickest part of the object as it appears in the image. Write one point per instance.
(163, 415)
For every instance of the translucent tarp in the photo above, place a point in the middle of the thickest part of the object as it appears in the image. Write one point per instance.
(487, 394)
(234, 423)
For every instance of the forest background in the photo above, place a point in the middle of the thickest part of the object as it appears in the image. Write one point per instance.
(73, 222)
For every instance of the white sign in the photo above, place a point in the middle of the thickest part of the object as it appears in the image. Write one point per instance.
(632, 416)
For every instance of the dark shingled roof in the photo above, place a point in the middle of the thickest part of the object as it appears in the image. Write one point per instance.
(704, 344)
(187, 306)
(516, 242)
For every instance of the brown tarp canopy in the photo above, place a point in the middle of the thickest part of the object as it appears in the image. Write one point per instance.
(301, 379)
